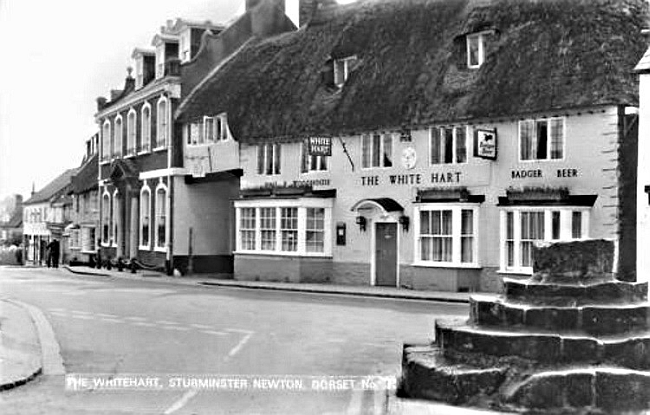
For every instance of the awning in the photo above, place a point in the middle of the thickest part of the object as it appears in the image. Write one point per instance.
(384, 204)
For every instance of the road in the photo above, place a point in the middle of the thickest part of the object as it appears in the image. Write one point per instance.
(114, 327)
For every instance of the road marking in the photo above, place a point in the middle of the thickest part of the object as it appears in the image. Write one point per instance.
(165, 322)
(241, 331)
(336, 340)
(81, 312)
(216, 333)
(201, 326)
(181, 402)
(354, 407)
(239, 346)
(107, 315)
(143, 324)
(135, 318)
(112, 320)
(82, 317)
(176, 328)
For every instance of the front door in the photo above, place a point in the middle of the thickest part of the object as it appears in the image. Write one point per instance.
(386, 254)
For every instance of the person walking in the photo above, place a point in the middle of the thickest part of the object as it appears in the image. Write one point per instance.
(48, 254)
(54, 253)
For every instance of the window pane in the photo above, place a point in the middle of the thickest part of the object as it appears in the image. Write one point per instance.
(388, 150)
(461, 145)
(555, 219)
(467, 222)
(446, 222)
(448, 145)
(365, 150)
(576, 225)
(276, 158)
(467, 249)
(510, 225)
(260, 158)
(526, 140)
(425, 222)
(436, 146)
(557, 138)
(247, 227)
(542, 139)
(426, 248)
(315, 236)
(289, 227)
(267, 226)
(268, 158)
(376, 145)
(304, 159)
(472, 50)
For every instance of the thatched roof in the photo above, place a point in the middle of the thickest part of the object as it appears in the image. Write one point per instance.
(85, 179)
(411, 69)
(53, 189)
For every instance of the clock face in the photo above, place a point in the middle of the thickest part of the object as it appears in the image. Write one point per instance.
(409, 158)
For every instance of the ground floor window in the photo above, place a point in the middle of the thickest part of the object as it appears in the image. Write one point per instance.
(88, 239)
(75, 238)
(106, 219)
(284, 227)
(522, 227)
(161, 218)
(446, 235)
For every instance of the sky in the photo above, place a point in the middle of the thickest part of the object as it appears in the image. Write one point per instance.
(59, 56)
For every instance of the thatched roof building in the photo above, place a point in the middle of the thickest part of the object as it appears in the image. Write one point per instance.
(411, 67)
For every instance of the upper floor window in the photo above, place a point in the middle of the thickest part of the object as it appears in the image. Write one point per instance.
(448, 145)
(377, 150)
(107, 148)
(311, 162)
(342, 70)
(145, 134)
(139, 72)
(541, 139)
(476, 49)
(185, 45)
(160, 60)
(131, 132)
(161, 123)
(268, 159)
(208, 130)
(117, 138)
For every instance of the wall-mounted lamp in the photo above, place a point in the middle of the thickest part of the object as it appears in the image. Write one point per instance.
(405, 221)
(361, 221)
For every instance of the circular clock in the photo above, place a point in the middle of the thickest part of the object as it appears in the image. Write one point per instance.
(409, 158)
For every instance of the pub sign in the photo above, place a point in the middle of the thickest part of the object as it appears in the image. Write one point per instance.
(485, 144)
(320, 146)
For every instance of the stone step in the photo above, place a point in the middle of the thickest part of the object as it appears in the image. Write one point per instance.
(608, 389)
(604, 292)
(427, 374)
(546, 347)
(594, 319)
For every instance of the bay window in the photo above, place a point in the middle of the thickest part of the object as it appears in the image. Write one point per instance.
(446, 235)
(522, 227)
(284, 227)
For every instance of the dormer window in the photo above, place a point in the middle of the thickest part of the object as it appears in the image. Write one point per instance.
(476, 49)
(342, 70)
(184, 51)
(139, 72)
(160, 60)
(209, 130)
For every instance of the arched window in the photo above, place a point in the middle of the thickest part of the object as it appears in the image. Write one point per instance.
(145, 218)
(114, 218)
(161, 123)
(161, 216)
(130, 132)
(117, 146)
(106, 218)
(106, 141)
(145, 134)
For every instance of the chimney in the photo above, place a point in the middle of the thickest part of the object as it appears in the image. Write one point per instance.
(33, 188)
(252, 3)
(101, 103)
(129, 84)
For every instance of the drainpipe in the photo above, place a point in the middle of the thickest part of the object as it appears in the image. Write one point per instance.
(170, 190)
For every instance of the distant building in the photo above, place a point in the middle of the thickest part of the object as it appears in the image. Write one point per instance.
(82, 231)
(426, 144)
(11, 220)
(45, 216)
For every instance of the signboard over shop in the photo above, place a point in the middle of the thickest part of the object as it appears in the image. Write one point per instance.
(320, 146)
(485, 144)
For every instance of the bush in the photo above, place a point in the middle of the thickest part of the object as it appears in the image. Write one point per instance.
(8, 255)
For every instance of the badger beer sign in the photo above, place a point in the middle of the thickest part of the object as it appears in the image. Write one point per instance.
(320, 146)
(485, 144)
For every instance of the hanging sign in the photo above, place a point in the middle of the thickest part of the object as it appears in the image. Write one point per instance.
(485, 144)
(320, 146)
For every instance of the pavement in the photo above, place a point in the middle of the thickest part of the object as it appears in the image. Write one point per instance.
(214, 280)
(20, 349)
